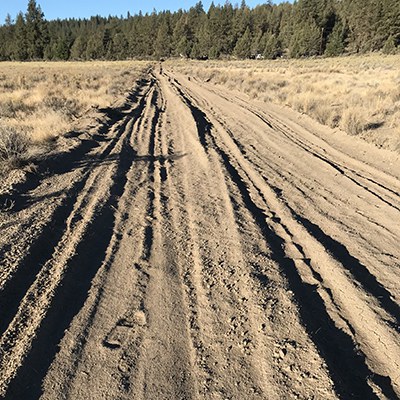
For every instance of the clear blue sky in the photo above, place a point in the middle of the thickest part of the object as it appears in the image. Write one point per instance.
(54, 9)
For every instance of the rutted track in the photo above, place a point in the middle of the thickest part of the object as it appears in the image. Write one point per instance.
(203, 248)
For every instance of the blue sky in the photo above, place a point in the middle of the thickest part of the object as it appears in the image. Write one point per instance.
(85, 8)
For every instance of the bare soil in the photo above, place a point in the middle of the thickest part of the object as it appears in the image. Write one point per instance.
(191, 243)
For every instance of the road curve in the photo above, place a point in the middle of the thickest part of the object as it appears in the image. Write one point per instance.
(195, 244)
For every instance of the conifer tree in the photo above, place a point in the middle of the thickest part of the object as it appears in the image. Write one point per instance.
(163, 41)
(307, 40)
(272, 47)
(19, 51)
(336, 46)
(36, 31)
(300, 29)
(6, 39)
(389, 46)
(243, 45)
(78, 48)
(202, 42)
(182, 38)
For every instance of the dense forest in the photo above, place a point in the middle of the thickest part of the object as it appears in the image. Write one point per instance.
(302, 29)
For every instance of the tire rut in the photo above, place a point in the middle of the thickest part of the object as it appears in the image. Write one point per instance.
(91, 209)
(176, 265)
(354, 381)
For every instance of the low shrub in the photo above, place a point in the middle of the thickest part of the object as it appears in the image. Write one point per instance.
(14, 147)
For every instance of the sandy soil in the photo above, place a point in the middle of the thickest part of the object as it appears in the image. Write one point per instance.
(194, 244)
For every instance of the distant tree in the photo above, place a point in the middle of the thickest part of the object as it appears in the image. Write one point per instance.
(119, 48)
(202, 42)
(258, 43)
(107, 42)
(220, 26)
(272, 46)
(36, 31)
(19, 50)
(243, 45)
(389, 46)
(94, 46)
(163, 41)
(307, 40)
(336, 42)
(6, 39)
(78, 48)
(182, 37)
(62, 49)
(301, 28)
(242, 20)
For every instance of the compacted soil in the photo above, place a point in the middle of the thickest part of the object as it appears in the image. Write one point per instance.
(195, 244)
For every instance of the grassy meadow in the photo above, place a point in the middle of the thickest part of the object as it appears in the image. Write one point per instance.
(358, 94)
(41, 100)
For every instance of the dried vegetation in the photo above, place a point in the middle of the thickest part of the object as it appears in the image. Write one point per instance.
(360, 95)
(39, 101)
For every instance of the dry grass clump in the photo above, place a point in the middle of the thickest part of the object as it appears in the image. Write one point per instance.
(41, 100)
(13, 147)
(360, 95)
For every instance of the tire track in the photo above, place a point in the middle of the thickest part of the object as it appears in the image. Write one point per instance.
(339, 251)
(274, 123)
(178, 265)
(94, 207)
(359, 271)
(308, 298)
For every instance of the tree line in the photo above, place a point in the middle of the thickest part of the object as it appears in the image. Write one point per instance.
(302, 29)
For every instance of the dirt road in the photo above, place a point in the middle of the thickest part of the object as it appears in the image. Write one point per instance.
(197, 245)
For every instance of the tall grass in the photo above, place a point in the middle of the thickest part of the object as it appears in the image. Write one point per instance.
(41, 100)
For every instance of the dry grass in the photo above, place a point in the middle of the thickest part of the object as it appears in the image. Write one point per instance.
(41, 100)
(13, 148)
(360, 95)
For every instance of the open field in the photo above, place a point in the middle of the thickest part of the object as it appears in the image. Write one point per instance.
(40, 101)
(360, 95)
(193, 243)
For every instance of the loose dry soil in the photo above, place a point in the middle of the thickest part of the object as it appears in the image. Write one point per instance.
(194, 244)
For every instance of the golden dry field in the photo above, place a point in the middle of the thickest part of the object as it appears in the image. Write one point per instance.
(360, 95)
(42, 99)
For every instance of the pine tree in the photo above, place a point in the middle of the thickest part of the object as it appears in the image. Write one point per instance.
(307, 40)
(257, 45)
(336, 46)
(202, 42)
(163, 41)
(78, 48)
(107, 44)
(94, 46)
(243, 45)
(389, 46)
(272, 48)
(119, 47)
(182, 38)
(6, 39)
(36, 31)
(302, 29)
(19, 51)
